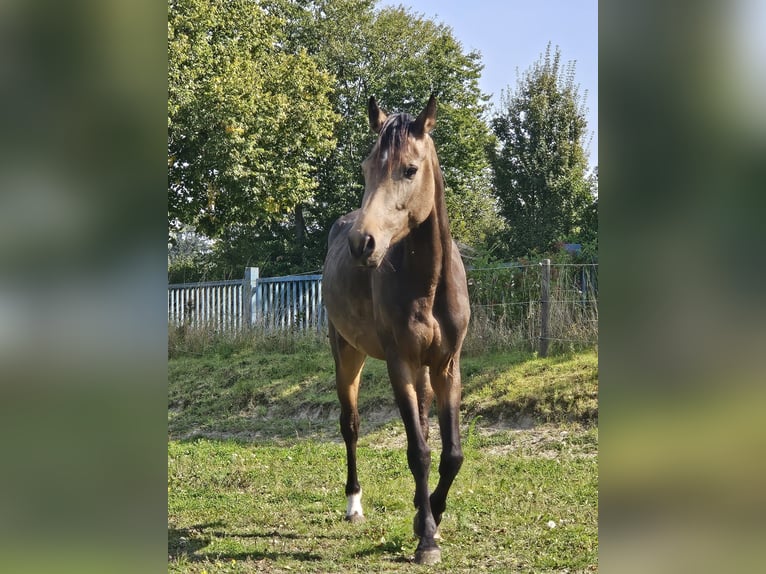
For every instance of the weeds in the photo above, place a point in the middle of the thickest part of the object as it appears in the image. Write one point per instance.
(203, 340)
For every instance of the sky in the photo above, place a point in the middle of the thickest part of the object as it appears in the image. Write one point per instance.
(512, 35)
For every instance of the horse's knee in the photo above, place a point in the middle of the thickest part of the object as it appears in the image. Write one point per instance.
(349, 426)
(451, 462)
(419, 459)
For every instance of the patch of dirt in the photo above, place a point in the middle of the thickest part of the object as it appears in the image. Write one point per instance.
(382, 428)
(546, 441)
(533, 441)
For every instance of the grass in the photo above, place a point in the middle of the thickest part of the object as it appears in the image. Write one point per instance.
(235, 507)
(523, 388)
(256, 466)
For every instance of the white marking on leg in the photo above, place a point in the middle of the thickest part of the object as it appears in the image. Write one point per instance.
(354, 504)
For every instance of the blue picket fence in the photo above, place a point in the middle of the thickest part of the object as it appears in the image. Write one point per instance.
(293, 302)
(290, 302)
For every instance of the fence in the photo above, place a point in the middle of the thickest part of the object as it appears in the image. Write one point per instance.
(535, 305)
(292, 302)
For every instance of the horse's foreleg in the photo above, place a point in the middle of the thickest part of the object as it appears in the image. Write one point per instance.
(447, 388)
(348, 371)
(404, 380)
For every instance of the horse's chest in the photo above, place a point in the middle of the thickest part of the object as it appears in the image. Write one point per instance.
(409, 323)
(423, 330)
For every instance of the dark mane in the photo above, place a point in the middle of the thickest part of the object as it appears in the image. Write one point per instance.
(393, 138)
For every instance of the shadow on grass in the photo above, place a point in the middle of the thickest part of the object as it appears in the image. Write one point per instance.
(392, 549)
(185, 542)
(188, 542)
(287, 431)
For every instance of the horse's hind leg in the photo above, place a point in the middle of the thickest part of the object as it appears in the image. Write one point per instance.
(348, 371)
(447, 388)
(425, 399)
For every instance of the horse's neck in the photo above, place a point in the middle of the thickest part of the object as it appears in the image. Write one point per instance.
(428, 249)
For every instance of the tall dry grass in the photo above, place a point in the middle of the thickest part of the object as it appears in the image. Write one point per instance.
(197, 340)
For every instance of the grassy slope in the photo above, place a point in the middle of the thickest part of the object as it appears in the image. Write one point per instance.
(271, 395)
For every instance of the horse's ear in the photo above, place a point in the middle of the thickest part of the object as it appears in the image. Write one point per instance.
(376, 115)
(427, 118)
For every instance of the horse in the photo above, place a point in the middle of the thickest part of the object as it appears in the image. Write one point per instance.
(395, 289)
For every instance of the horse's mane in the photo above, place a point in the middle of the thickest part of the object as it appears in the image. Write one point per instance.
(393, 138)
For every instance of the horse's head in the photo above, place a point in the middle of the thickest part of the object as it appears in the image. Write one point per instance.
(400, 176)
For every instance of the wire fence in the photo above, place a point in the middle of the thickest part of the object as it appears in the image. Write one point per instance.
(509, 304)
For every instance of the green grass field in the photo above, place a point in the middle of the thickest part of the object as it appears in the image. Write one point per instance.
(256, 467)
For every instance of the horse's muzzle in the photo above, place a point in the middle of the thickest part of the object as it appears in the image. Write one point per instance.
(361, 246)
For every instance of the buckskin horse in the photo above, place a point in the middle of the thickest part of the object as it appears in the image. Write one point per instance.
(394, 287)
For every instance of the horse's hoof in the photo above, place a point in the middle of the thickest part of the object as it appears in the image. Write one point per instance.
(428, 556)
(355, 518)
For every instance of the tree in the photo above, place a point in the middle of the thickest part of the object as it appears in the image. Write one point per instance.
(247, 120)
(188, 255)
(540, 165)
(588, 225)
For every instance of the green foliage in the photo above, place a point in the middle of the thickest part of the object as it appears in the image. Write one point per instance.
(588, 235)
(247, 120)
(189, 256)
(267, 129)
(540, 165)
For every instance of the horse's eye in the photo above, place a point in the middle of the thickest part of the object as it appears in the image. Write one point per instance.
(410, 171)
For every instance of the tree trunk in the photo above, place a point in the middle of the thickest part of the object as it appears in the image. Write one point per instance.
(300, 231)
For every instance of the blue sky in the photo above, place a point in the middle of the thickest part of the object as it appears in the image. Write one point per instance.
(512, 34)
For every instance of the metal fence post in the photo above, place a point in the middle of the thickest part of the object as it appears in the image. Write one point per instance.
(545, 306)
(249, 285)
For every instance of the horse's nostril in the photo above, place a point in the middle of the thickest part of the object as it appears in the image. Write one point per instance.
(369, 246)
(361, 245)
